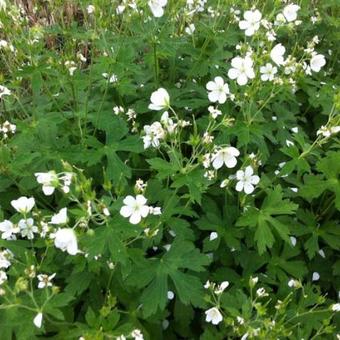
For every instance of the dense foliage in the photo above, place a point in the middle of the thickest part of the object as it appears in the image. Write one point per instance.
(169, 169)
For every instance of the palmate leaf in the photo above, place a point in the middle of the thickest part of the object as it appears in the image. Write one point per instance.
(264, 219)
(315, 185)
(173, 265)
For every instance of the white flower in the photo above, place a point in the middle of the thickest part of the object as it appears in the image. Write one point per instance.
(293, 241)
(8, 230)
(5, 256)
(220, 288)
(45, 280)
(276, 54)
(137, 334)
(317, 62)
(213, 315)
(240, 320)
(49, 181)
(290, 12)
(225, 156)
(160, 100)
(3, 4)
(251, 22)
(71, 66)
(4, 91)
(3, 277)
(155, 211)
(23, 204)
(315, 276)
(253, 281)
(90, 9)
(113, 79)
(168, 122)
(156, 7)
(214, 112)
(261, 292)
(293, 283)
(170, 295)
(153, 133)
(218, 90)
(27, 228)
(66, 240)
(246, 180)
(135, 208)
(38, 320)
(336, 307)
(60, 217)
(190, 29)
(213, 236)
(242, 69)
(268, 72)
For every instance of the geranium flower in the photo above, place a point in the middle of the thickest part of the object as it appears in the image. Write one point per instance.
(251, 22)
(4, 91)
(45, 280)
(3, 277)
(290, 12)
(190, 29)
(268, 72)
(160, 100)
(153, 133)
(317, 62)
(27, 228)
(49, 181)
(5, 257)
(38, 320)
(60, 217)
(66, 240)
(225, 156)
(218, 90)
(23, 204)
(135, 208)
(242, 69)
(213, 315)
(156, 7)
(276, 54)
(8, 230)
(246, 180)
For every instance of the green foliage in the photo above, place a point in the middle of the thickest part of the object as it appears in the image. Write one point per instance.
(220, 204)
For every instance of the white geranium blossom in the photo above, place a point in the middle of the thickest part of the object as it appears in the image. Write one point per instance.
(336, 307)
(49, 181)
(242, 70)
(225, 156)
(213, 236)
(5, 257)
(45, 280)
(8, 230)
(135, 208)
(218, 90)
(38, 320)
(317, 62)
(268, 72)
(251, 22)
(60, 217)
(290, 12)
(276, 54)
(190, 29)
(66, 240)
(23, 204)
(27, 228)
(156, 7)
(246, 180)
(3, 277)
(153, 133)
(160, 100)
(213, 315)
(4, 91)
(90, 9)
